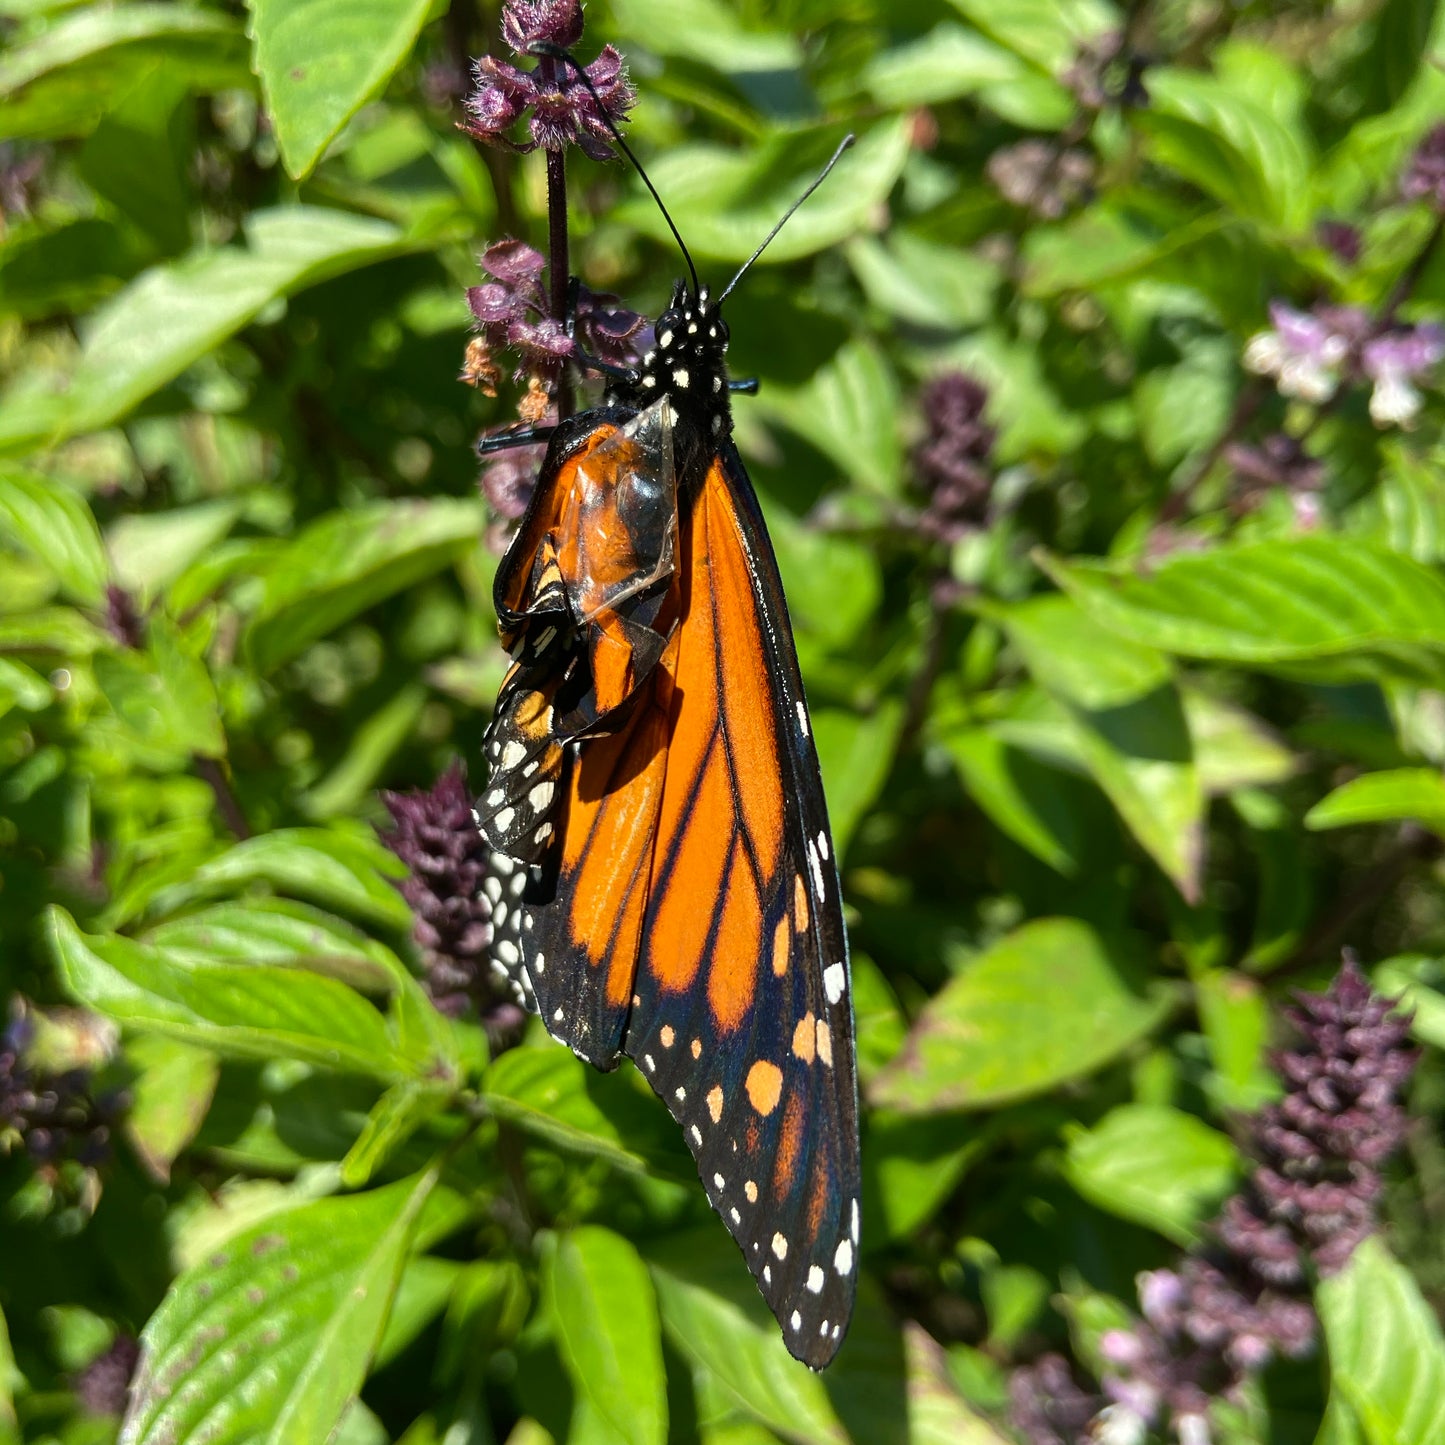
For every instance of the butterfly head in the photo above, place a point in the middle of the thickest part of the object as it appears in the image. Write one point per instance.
(688, 361)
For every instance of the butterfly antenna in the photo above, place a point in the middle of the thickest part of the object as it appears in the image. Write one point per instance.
(556, 52)
(822, 176)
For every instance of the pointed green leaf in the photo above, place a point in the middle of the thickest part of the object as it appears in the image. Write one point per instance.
(320, 61)
(1154, 1165)
(1386, 1354)
(169, 1097)
(1317, 601)
(173, 314)
(243, 1011)
(1398, 794)
(714, 1315)
(1051, 1002)
(54, 523)
(350, 560)
(269, 1339)
(601, 1299)
(396, 1116)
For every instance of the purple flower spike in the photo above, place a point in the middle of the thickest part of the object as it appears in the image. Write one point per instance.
(511, 313)
(565, 112)
(1235, 1304)
(1302, 351)
(435, 836)
(952, 461)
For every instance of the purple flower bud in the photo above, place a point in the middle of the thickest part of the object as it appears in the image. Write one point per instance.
(1039, 177)
(1424, 176)
(565, 111)
(1392, 362)
(435, 835)
(103, 1386)
(1341, 239)
(1046, 1403)
(525, 23)
(1278, 463)
(122, 619)
(952, 461)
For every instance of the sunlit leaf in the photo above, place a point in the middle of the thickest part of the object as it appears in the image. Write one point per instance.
(54, 523)
(1417, 794)
(320, 61)
(245, 1011)
(601, 1298)
(294, 1308)
(1051, 1002)
(1157, 1166)
(1386, 1354)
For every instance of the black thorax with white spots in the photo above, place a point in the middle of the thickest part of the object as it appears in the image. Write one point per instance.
(688, 365)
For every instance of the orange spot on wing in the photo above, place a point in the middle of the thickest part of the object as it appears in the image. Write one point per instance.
(817, 1200)
(782, 941)
(753, 1136)
(789, 1144)
(805, 1038)
(715, 1102)
(825, 1043)
(697, 1048)
(800, 904)
(667, 1035)
(765, 1086)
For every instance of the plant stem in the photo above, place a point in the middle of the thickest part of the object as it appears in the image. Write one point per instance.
(559, 265)
(228, 805)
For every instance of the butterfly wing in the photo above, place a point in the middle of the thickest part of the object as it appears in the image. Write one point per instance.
(743, 1019)
(578, 744)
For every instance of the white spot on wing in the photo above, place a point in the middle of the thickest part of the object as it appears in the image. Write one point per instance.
(780, 1245)
(815, 1280)
(823, 843)
(833, 981)
(815, 866)
(513, 754)
(680, 378)
(503, 820)
(802, 718)
(843, 1257)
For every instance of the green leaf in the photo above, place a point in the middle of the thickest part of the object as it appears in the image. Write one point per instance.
(269, 1340)
(1051, 1002)
(937, 1412)
(320, 61)
(11, 1381)
(278, 931)
(1077, 658)
(64, 79)
(397, 1115)
(1140, 753)
(946, 64)
(1029, 800)
(242, 1011)
(352, 874)
(554, 1096)
(707, 31)
(726, 200)
(1406, 511)
(163, 698)
(1230, 144)
(169, 1097)
(1417, 794)
(601, 1299)
(1157, 1166)
(1048, 33)
(348, 561)
(172, 315)
(1304, 604)
(151, 549)
(855, 752)
(923, 282)
(715, 1317)
(54, 523)
(1387, 1357)
(849, 411)
(1233, 748)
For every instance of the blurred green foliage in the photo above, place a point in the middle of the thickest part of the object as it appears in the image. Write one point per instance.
(1109, 773)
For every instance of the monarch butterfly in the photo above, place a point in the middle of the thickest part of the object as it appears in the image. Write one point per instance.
(663, 880)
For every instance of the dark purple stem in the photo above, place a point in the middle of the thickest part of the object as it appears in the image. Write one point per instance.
(227, 804)
(559, 263)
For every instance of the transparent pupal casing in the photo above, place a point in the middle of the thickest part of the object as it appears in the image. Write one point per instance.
(617, 535)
